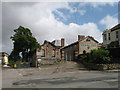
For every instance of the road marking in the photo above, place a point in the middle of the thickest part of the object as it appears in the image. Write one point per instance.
(112, 80)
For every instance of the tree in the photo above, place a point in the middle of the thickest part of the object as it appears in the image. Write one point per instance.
(24, 43)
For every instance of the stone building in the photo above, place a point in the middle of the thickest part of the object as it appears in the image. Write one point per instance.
(84, 44)
(111, 37)
(50, 50)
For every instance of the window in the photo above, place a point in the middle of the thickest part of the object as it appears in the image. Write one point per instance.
(116, 34)
(105, 37)
(53, 53)
(76, 53)
(88, 47)
(43, 53)
(62, 54)
(57, 52)
(108, 36)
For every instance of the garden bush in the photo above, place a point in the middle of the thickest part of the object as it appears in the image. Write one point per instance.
(97, 56)
(100, 56)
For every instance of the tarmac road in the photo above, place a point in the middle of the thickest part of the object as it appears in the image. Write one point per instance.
(56, 78)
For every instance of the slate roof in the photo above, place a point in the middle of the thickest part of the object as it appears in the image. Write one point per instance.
(51, 43)
(115, 27)
(92, 39)
(48, 42)
(70, 45)
(56, 42)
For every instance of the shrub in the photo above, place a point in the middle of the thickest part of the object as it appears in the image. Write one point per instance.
(99, 56)
(83, 58)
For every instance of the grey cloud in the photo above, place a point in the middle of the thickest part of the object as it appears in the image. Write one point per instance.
(10, 21)
(16, 14)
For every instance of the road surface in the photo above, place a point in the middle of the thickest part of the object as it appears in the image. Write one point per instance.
(58, 78)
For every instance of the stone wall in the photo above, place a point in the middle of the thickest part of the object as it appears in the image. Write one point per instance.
(70, 53)
(103, 66)
(52, 61)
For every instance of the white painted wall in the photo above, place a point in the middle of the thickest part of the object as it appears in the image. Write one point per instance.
(113, 37)
(5, 58)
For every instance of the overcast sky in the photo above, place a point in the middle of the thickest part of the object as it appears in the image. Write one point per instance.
(56, 20)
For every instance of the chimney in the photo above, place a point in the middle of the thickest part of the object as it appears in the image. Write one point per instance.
(80, 37)
(62, 42)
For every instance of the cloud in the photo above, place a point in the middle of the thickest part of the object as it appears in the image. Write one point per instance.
(75, 8)
(109, 21)
(82, 12)
(38, 17)
(27, 15)
(98, 4)
(86, 29)
(60, 14)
